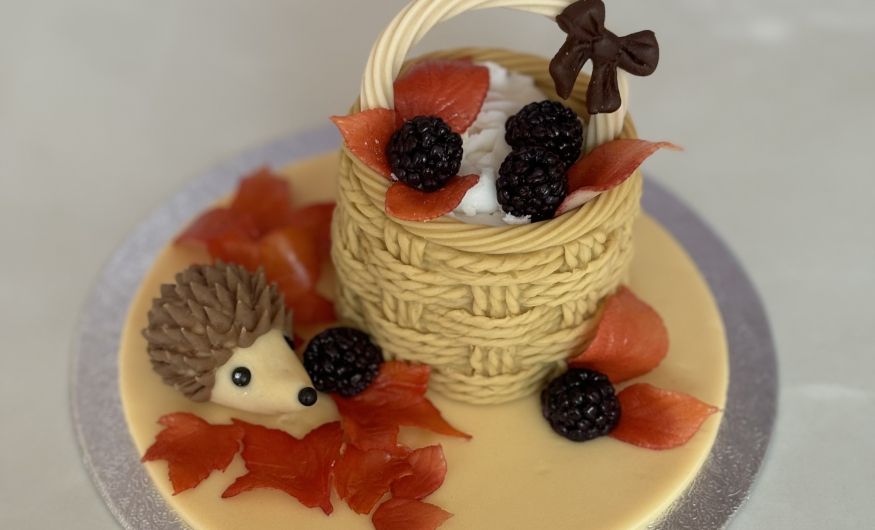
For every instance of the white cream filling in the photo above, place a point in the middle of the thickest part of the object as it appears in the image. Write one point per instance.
(485, 148)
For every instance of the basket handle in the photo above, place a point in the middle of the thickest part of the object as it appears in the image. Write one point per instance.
(411, 25)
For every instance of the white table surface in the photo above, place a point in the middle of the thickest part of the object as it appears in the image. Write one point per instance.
(109, 106)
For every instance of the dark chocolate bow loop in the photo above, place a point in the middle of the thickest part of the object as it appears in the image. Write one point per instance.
(583, 20)
(588, 39)
(639, 53)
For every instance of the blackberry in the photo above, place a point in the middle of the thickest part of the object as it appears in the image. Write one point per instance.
(532, 181)
(425, 153)
(547, 124)
(342, 360)
(580, 405)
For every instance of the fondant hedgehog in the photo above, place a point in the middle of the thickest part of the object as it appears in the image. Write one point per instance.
(222, 334)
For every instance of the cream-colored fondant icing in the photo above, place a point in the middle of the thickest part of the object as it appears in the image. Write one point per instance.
(515, 473)
(277, 376)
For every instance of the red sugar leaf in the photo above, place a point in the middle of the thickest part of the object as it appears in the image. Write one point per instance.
(237, 250)
(423, 414)
(362, 478)
(376, 435)
(301, 468)
(409, 204)
(453, 90)
(395, 398)
(315, 219)
(630, 339)
(654, 418)
(261, 229)
(290, 258)
(397, 378)
(429, 470)
(264, 197)
(606, 167)
(309, 308)
(408, 514)
(367, 136)
(262, 202)
(216, 225)
(193, 448)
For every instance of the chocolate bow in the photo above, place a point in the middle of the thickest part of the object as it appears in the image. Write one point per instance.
(584, 22)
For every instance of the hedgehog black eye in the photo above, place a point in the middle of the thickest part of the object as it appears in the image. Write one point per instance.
(290, 341)
(241, 376)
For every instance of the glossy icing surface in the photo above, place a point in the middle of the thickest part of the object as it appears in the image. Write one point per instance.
(515, 473)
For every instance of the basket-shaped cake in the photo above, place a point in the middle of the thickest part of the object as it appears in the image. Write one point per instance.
(494, 310)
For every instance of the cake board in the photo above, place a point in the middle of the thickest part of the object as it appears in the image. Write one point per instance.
(113, 462)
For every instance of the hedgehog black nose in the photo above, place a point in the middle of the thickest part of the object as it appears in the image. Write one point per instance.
(307, 396)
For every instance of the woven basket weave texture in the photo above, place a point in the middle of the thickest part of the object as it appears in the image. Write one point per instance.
(494, 310)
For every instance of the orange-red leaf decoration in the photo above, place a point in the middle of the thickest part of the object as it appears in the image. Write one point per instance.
(239, 250)
(301, 468)
(266, 198)
(630, 339)
(193, 448)
(397, 378)
(654, 418)
(429, 468)
(262, 203)
(362, 478)
(409, 204)
(452, 90)
(216, 225)
(367, 135)
(408, 514)
(310, 308)
(290, 258)
(372, 435)
(315, 219)
(606, 167)
(395, 398)
(262, 229)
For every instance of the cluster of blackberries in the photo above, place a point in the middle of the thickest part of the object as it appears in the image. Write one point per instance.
(581, 405)
(425, 153)
(546, 138)
(342, 360)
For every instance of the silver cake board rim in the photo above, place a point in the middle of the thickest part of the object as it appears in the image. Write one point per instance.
(108, 453)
